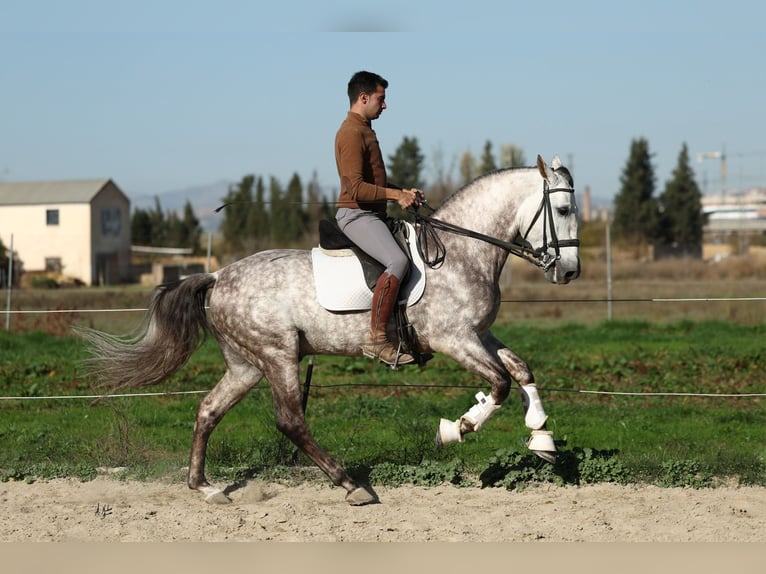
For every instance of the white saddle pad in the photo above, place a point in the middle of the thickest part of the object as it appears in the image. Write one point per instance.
(340, 283)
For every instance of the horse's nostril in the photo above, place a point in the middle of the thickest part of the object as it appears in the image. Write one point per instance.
(573, 274)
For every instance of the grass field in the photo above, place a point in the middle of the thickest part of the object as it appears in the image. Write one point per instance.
(381, 424)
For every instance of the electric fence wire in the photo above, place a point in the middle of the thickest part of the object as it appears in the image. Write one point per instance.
(417, 385)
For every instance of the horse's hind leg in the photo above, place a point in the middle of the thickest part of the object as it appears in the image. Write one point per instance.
(283, 376)
(239, 379)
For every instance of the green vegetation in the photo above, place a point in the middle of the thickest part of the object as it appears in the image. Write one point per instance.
(381, 424)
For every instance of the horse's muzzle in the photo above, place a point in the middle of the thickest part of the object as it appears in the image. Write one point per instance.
(561, 275)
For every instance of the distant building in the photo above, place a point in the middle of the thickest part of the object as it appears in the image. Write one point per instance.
(736, 211)
(76, 229)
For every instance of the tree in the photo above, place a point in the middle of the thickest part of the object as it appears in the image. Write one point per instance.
(189, 229)
(293, 208)
(512, 156)
(406, 165)
(257, 219)
(160, 229)
(141, 227)
(234, 224)
(681, 216)
(443, 185)
(158, 225)
(314, 211)
(488, 164)
(467, 168)
(636, 212)
(278, 220)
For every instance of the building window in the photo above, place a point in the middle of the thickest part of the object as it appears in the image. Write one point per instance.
(111, 221)
(53, 264)
(51, 217)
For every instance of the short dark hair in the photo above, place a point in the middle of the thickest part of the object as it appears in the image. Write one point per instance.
(364, 83)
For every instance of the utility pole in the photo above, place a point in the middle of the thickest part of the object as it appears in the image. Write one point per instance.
(717, 155)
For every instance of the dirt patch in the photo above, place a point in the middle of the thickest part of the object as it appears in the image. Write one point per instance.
(108, 510)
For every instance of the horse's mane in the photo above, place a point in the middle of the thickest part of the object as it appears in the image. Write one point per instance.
(487, 175)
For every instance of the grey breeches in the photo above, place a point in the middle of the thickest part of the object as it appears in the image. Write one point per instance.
(368, 231)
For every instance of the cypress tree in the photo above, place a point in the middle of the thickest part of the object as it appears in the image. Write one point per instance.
(278, 222)
(313, 209)
(468, 168)
(190, 230)
(512, 156)
(141, 227)
(158, 224)
(257, 221)
(635, 207)
(294, 215)
(682, 218)
(234, 224)
(488, 163)
(405, 167)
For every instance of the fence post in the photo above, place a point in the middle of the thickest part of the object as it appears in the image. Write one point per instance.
(10, 287)
(209, 250)
(608, 273)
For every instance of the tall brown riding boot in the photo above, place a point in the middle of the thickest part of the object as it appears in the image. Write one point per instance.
(383, 301)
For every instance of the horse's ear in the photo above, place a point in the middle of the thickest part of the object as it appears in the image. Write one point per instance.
(555, 162)
(544, 170)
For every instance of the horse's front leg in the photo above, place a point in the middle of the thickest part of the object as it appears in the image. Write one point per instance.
(496, 363)
(474, 356)
(541, 442)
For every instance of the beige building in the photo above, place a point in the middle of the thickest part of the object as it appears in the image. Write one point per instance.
(78, 229)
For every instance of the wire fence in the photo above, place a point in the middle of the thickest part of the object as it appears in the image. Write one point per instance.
(414, 385)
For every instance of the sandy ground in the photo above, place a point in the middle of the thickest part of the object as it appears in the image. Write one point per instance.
(109, 510)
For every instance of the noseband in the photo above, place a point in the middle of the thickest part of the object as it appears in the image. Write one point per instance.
(523, 249)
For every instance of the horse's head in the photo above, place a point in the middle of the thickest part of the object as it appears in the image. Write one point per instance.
(551, 223)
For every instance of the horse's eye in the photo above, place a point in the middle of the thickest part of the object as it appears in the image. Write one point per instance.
(563, 211)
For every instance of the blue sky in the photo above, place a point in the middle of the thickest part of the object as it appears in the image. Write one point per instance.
(165, 95)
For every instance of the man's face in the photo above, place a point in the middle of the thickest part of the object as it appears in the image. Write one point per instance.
(374, 103)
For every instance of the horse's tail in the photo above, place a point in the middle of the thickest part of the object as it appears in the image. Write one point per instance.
(173, 328)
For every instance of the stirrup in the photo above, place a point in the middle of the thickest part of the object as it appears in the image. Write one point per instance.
(376, 350)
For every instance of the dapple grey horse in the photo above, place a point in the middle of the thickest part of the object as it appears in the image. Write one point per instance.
(264, 313)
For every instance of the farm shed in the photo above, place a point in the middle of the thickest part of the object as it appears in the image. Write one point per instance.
(78, 229)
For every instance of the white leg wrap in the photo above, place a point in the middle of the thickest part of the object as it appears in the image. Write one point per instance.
(535, 416)
(480, 412)
(477, 415)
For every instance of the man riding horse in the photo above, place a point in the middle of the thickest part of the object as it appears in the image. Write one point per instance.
(362, 202)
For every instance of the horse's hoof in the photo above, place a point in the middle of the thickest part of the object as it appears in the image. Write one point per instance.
(448, 432)
(546, 455)
(361, 496)
(214, 495)
(541, 443)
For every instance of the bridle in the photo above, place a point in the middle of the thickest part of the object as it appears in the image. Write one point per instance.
(521, 248)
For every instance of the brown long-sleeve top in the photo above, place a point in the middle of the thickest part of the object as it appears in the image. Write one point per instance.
(363, 183)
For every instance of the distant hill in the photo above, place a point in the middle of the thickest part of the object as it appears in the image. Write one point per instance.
(204, 200)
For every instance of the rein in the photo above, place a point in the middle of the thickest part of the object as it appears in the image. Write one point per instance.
(539, 257)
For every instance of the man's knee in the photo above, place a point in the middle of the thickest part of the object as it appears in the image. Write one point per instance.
(398, 267)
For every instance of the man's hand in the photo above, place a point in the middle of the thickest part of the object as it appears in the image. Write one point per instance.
(410, 197)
